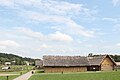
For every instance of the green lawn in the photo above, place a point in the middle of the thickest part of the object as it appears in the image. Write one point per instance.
(17, 70)
(9, 78)
(14, 72)
(78, 76)
(12, 76)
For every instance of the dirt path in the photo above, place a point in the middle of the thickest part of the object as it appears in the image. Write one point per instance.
(8, 74)
(24, 76)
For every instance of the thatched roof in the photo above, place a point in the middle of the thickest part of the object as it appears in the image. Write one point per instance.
(96, 60)
(65, 61)
(38, 62)
(73, 60)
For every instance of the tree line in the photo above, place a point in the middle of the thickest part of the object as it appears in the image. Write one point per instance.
(14, 59)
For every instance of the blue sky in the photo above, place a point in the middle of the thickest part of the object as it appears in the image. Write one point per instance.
(34, 28)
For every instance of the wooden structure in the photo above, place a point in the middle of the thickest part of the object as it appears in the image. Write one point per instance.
(7, 63)
(38, 63)
(77, 63)
(101, 63)
(118, 65)
(26, 63)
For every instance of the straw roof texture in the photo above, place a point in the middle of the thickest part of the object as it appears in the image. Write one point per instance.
(67, 61)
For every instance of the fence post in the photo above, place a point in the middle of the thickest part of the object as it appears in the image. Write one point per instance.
(20, 73)
(7, 77)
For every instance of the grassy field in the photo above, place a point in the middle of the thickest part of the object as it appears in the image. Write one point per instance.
(17, 73)
(9, 78)
(17, 70)
(78, 76)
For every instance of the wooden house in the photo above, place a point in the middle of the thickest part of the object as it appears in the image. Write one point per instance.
(65, 63)
(78, 63)
(101, 63)
(38, 63)
(118, 65)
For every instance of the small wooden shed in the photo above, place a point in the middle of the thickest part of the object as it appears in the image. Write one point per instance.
(38, 63)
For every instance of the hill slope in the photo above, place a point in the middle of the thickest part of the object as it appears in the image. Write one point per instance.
(4, 57)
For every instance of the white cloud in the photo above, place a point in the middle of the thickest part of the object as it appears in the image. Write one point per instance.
(115, 2)
(58, 28)
(79, 30)
(115, 20)
(118, 44)
(9, 43)
(42, 47)
(52, 7)
(2, 47)
(73, 26)
(28, 32)
(54, 11)
(45, 46)
(58, 36)
(8, 3)
(116, 28)
(57, 12)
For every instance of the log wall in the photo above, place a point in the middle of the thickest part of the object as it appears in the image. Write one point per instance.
(107, 65)
(64, 69)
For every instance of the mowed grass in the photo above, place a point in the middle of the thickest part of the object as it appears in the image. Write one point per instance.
(78, 76)
(17, 70)
(9, 78)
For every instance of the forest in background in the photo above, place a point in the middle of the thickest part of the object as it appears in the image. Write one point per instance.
(15, 59)
(18, 60)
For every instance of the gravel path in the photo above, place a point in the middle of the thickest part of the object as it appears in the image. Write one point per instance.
(24, 76)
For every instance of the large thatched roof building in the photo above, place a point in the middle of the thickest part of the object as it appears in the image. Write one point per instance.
(77, 63)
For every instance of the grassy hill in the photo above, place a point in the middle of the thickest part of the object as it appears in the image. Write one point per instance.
(4, 57)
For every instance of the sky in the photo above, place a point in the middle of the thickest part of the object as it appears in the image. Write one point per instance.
(33, 28)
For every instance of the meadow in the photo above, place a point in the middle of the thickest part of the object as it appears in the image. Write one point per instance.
(9, 78)
(114, 75)
(14, 72)
(11, 75)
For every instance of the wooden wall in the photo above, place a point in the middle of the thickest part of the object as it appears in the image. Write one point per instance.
(91, 68)
(64, 69)
(107, 64)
